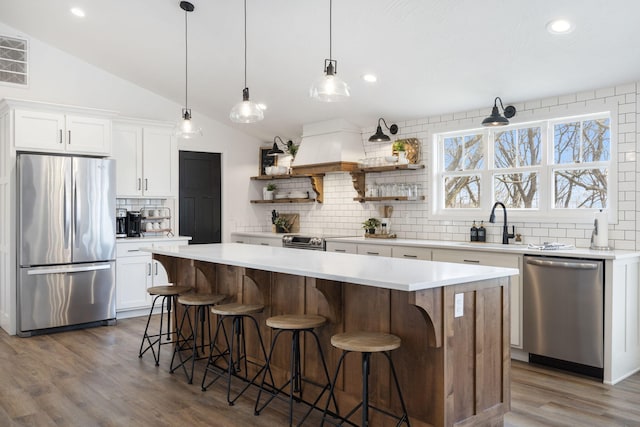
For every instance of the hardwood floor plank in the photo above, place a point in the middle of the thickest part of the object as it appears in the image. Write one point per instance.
(93, 377)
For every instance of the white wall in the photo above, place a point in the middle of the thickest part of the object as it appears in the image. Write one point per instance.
(58, 77)
(341, 215)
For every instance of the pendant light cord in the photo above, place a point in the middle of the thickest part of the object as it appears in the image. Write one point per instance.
(330, 30)
(186, 63)
(245, 43)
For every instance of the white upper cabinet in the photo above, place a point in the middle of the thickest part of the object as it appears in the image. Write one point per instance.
(146, 160)
(52, 132)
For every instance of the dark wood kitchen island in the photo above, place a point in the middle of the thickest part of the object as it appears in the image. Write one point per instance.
(453, 320)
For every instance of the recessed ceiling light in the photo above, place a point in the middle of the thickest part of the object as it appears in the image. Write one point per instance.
(77, 12)
(560, 26)
(370, 78)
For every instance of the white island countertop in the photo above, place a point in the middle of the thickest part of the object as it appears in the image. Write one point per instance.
(382, 272)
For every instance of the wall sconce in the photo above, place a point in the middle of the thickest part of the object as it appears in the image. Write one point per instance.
(496, 119)
(275, 150)
(379, 136)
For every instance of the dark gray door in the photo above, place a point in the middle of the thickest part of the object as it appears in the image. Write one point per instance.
(200, 200)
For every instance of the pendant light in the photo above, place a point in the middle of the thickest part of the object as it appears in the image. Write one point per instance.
(186, 128)
(246, 111)
(496, 119)
(329, 87)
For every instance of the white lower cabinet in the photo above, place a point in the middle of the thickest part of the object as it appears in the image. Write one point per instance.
(345, 248)
(494, 260)
(411, 252)
(135, 272)
(376, 250)
(275, 240)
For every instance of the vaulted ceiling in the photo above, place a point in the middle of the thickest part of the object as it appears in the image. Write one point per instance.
(430, 56)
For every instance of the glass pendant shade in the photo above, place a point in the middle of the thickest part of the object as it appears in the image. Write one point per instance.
(186, 128)
(246, 111)
(330, 87)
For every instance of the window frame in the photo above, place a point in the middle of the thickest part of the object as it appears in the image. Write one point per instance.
(546, 211)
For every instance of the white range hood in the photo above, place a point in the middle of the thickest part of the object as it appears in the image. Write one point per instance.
(329, 146)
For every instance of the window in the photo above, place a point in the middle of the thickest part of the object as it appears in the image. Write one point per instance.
(13, 61)
(554, 168)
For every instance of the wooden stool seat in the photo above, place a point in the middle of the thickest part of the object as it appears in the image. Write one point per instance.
(201, 299)
(168, 290)
(296, 321)
(236, 309)
(365, 342)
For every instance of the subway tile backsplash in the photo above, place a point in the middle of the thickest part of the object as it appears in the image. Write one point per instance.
(340, 214)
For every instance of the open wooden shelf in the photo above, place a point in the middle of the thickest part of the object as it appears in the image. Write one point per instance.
(305, 200)
(395, 167)
(390, 198)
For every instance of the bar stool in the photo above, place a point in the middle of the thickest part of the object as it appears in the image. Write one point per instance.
(169, 293)
(201, 304)
(296, 324)
(366, 343)
(235, 351)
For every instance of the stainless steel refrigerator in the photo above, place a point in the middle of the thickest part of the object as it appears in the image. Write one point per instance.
(66, 242)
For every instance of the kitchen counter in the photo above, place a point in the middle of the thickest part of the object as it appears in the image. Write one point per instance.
(388, 273)
(491, 247)
(454, 362)
(151, 239)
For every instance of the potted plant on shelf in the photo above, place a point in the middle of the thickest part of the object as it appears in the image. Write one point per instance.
(370, 225)
(399, 149)
(267, 193)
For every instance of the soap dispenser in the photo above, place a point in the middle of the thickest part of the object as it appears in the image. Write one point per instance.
(474, 232)
(482, 232)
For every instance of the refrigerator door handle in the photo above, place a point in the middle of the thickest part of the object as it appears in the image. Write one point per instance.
(64, 270)
(75, 214)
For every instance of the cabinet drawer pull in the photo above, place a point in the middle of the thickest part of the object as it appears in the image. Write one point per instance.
(69, 140)
(410, 256)
(340, 250)
(239, 241)
(146, 184)
(264, 244)
(149, 269)
(472, 261)
(60, 136)
(373, 253)
(156, 266)
(133, 250)
(139, 184)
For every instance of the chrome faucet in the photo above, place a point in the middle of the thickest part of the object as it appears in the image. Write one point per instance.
(505, 228)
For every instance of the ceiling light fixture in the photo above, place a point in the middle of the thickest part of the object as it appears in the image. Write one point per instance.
(78, 12)
(379, 136)
(370, 78)
(329, 87)
(246, 111)
(186, 128)
(496, 119)
(560, 26)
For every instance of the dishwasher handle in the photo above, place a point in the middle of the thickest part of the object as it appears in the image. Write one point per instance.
(580, 265)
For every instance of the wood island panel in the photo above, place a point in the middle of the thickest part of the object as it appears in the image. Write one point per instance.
(453, 371)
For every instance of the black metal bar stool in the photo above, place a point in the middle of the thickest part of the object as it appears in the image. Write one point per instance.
(169, 294)
(201, 303)
(235, 352)
(296, 324)
(366, 343)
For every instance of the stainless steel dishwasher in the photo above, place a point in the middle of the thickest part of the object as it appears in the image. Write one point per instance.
(563, 313)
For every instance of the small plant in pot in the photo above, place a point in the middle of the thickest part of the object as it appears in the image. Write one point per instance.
(268, 191)
(370, 225)
(399, 149)
(282, 225)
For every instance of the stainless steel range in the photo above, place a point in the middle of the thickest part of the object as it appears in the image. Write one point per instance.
(313, 243)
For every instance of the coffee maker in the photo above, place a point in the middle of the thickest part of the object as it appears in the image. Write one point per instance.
(134, 223)
(121, 222)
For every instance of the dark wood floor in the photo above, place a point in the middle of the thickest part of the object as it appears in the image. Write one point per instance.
(93, 377)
